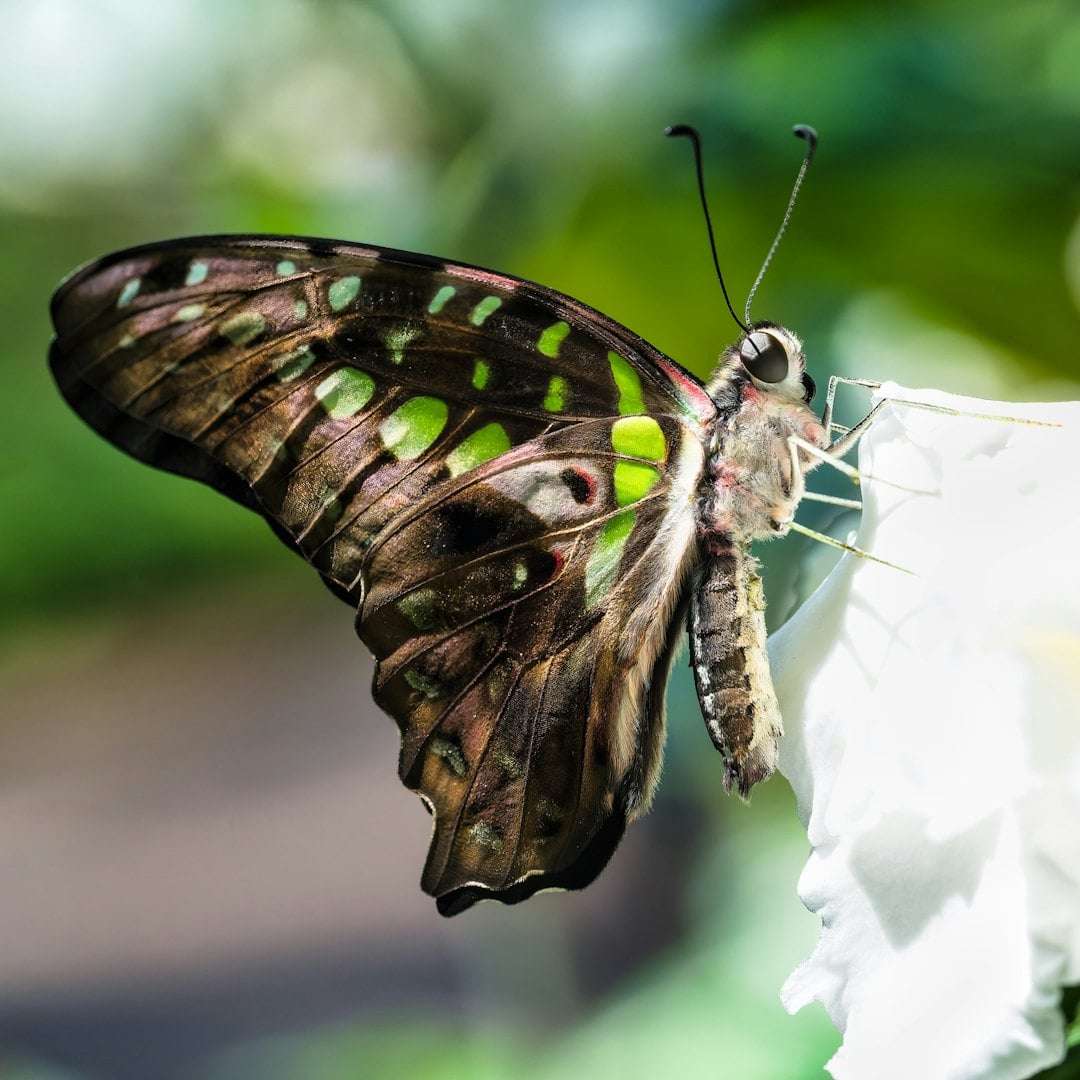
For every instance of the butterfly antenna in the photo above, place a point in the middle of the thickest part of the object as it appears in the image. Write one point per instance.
(691, 133)
(803, 131)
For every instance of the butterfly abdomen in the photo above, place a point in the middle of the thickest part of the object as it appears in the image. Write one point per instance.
(731, 666)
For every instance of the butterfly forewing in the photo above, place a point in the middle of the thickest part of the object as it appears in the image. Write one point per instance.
(499, 477)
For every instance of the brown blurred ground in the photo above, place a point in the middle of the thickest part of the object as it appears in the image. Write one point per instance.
(203, 841)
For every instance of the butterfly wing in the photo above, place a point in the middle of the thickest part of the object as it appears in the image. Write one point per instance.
(499, 478)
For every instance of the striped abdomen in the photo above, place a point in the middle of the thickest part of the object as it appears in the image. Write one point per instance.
(731, 666)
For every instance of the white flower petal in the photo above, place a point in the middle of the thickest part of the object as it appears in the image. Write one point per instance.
(933, 742)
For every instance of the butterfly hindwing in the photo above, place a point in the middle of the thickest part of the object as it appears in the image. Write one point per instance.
(518, 660)
(500, 478)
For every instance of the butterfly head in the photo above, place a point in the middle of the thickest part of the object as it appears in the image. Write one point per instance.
(770, 359)
(773, 358)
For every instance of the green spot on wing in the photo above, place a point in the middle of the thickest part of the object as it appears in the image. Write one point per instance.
(633, 480)
(480, 446)
(332, 508)
(189, 312)
(129, 292)
(506, 761)
(421, 609)
(480, 374)
(552, 338)
(285, 268)
(555, 399)
(345, 392)
(223, 404)
(300, 307)
(639, 436)
(603, 564)
(628, 383)
(521, 574)
(450, 752)
(486, 835)
(197, 272)
(423, 684)
(244, 327)
(495, 686)
(291, 365)
(440, 299)
(343, 292)
(484, 309)
(398, 339)
(413, 427)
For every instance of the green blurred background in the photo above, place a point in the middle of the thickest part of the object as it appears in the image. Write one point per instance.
(207, 868)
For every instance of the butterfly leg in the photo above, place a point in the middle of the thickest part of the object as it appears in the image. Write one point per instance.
(850, 436)
(795, 444)
(830, 399)
(832, 500)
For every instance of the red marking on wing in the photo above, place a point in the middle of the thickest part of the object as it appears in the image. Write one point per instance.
(692, 393)
(590, 483)
(489, 278)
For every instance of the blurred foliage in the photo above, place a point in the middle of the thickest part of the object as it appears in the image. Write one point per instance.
(936, 241)
(527, 137)
(1069, 1069)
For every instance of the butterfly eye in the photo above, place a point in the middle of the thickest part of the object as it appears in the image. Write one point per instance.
(764, 357)
(809, 388)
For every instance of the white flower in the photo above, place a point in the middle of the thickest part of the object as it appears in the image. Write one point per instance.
(933, 742)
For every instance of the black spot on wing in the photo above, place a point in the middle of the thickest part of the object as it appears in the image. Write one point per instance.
(582, 487)
(544, 564)
(167, 274)
(467, 527)
(320, 248)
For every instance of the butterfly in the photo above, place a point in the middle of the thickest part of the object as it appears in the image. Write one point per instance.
(524, 502)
